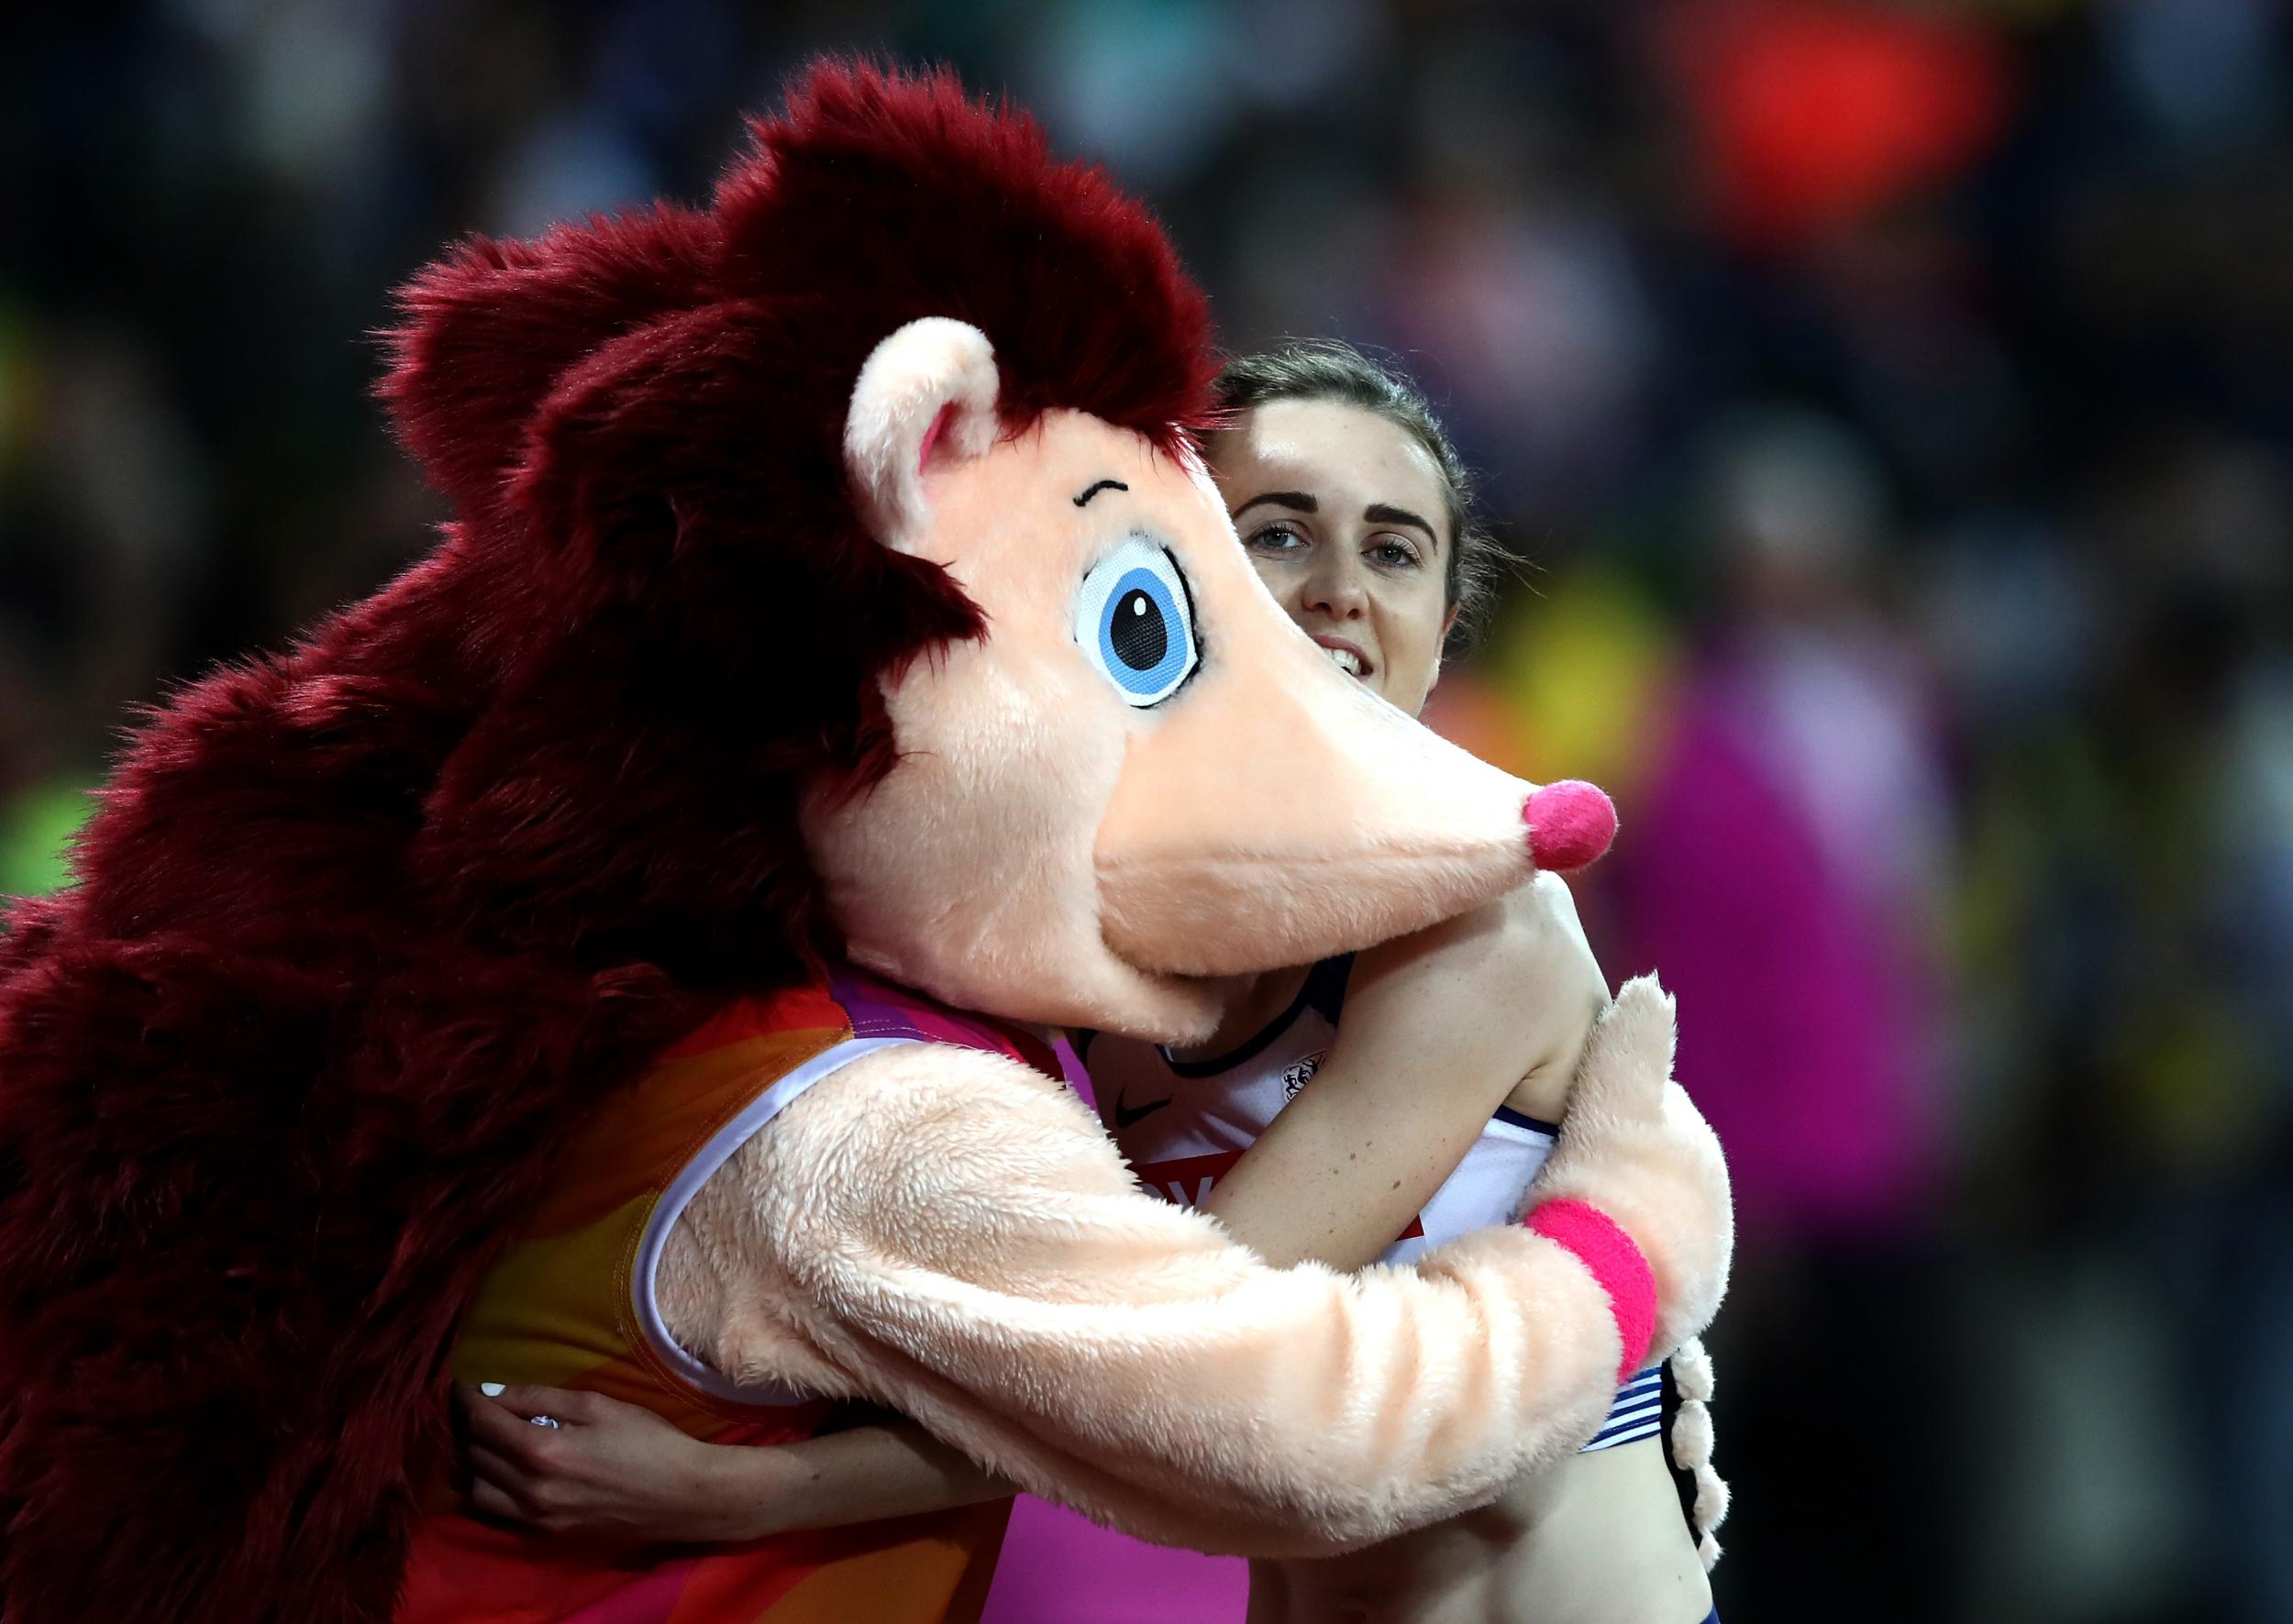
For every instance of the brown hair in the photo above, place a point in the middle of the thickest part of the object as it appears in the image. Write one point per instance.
(1331, 370)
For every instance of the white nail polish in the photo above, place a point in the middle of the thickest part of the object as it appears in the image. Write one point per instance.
(492, 1389)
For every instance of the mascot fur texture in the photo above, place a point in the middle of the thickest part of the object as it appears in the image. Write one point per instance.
(361, 931)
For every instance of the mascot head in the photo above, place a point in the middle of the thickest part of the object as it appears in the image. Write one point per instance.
(677, 559)
(892, 445)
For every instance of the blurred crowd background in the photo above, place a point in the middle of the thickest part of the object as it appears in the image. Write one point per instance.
(1892, 405)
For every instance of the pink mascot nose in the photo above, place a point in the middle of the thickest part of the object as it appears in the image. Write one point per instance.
(1569, 822)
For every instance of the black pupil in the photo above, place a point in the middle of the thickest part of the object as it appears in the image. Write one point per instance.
(1140, 637)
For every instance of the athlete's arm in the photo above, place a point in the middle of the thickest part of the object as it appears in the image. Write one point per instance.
(1440, 1029)
(619, 1472)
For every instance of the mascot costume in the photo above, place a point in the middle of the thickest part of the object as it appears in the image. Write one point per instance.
(593, 958)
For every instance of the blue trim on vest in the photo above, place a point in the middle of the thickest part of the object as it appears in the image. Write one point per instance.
(1505, 1113)
(1324, 989)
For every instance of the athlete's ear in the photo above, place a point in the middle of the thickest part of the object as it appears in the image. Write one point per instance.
(1441, 650)
(927, 396)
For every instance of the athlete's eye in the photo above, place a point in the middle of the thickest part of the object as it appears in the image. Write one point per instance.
(1135, 621)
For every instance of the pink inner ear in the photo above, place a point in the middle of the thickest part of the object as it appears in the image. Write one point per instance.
(931, 436)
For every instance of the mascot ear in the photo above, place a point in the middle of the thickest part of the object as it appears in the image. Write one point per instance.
(926, 395)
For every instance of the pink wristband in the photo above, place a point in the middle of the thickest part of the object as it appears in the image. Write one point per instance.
(1615, 1262)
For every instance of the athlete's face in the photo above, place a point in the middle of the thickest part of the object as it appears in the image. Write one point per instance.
(1346, 518)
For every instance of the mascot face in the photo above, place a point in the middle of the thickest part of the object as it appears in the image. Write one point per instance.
(1143, 777)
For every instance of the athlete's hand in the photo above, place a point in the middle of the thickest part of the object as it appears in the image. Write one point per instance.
(608, 1471)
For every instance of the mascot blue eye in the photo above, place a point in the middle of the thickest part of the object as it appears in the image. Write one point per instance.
(1135, 621)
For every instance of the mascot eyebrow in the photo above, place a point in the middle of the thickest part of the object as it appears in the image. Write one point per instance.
(1084, 499)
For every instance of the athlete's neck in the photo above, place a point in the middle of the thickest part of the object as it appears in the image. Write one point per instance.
(1252, 1003)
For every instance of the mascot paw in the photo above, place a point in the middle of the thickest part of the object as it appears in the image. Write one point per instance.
(1633, 1145)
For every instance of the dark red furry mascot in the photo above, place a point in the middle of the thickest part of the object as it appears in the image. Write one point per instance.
(363, 930)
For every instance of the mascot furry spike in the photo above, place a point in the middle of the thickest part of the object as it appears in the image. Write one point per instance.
(776, 634)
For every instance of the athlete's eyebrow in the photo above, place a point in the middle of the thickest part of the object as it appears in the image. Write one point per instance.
(1102, 485)
(1296, 500)
(1378, 512)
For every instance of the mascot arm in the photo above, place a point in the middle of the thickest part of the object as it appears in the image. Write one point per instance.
(951, 1234)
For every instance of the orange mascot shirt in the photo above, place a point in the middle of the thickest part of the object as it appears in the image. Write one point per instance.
(571, 1304)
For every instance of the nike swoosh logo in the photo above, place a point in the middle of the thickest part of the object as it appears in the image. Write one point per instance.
(1125, 1116)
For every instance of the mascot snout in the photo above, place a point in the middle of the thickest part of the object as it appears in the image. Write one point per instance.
(1280, 814)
